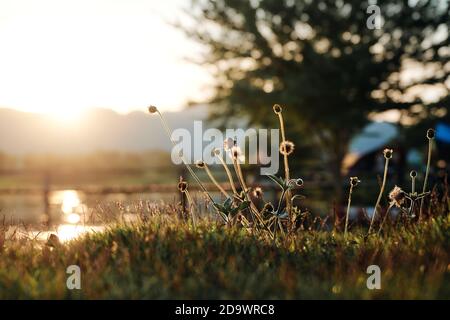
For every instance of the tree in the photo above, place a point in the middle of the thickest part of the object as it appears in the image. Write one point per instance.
(322, 62)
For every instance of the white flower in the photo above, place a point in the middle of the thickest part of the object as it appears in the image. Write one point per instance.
(397, 196)
(236, 154)
(228, 144)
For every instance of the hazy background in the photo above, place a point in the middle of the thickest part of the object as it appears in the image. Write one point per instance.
(76, 78)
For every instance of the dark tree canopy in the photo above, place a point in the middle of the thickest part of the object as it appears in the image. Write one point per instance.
(320, 60)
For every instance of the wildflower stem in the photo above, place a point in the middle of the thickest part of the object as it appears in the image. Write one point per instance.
(228, 172)
(190, 206)
(425, 180)
(188, 167)
(283, 194)
(210, 175)
(286, 163)
(348, 209)
(385, 218)
(237, 168)
(253, 210)
(383, 184)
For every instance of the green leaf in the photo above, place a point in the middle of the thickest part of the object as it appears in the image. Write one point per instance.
(277, 180)
(244, 205)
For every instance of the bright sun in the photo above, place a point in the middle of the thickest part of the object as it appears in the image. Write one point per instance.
(60, 57)
(64, 115)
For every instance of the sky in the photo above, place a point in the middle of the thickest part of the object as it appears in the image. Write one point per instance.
(63, 56)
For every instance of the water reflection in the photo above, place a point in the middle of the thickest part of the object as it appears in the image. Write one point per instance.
(73, 213)
(67, 232)
(71, 205)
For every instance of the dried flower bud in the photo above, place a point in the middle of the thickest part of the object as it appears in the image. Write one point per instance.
(268, 207)
(397, 196)
(182, 185)
(277, 109)
(229, 143)
(236, 153)
(152, 109)
(354, 181)
(215, 152)
(296, 182)
(200, 164)
(257, 192)
(287, 148)
(53, 241)
(388, 153)
(430, 134)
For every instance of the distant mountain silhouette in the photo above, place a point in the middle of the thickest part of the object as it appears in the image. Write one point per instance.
(97, 129)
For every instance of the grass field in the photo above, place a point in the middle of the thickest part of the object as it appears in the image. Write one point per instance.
(166, 257)
(245, 247)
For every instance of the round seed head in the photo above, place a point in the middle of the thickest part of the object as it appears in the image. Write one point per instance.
(413, 174)
(354, 181)
(397, 196)
(53, 240)
(152, 109)
(200, 164)
(277, 109)
(388, 153)
(299, 182)
(182, 186)
(236, 153)
(257, 192)
(268, 207)
(229, 143)
(287, 148)
(430, 134)
(216, 152)
(295, 182)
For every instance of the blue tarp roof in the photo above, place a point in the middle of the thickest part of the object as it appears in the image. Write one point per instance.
(374, 136)
(443, 132)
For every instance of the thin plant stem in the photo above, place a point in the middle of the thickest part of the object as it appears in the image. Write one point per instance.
(427, 171)
(190, 206)
(287, 175)
(283, 194)
(385, 218)
(383, 184)
(228, 172)
(188, 167)
(348, 210)
(253, 210)
(242, 182)
(241, 176)
(211, 177)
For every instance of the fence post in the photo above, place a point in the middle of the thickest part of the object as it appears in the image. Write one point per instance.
(183, 200)
(46, 196)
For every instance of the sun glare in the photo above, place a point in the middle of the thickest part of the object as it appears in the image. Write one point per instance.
(58, 59)
(65, 116)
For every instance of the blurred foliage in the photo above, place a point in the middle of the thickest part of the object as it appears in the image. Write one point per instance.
(321, 61)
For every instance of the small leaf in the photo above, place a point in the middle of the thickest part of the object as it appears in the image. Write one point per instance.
(220, 207)
(228, 202)
(277, 180)
(282, 214)
(244, 205)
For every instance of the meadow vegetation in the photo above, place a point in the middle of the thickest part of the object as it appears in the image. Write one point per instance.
(165, 257)
(246, 248)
